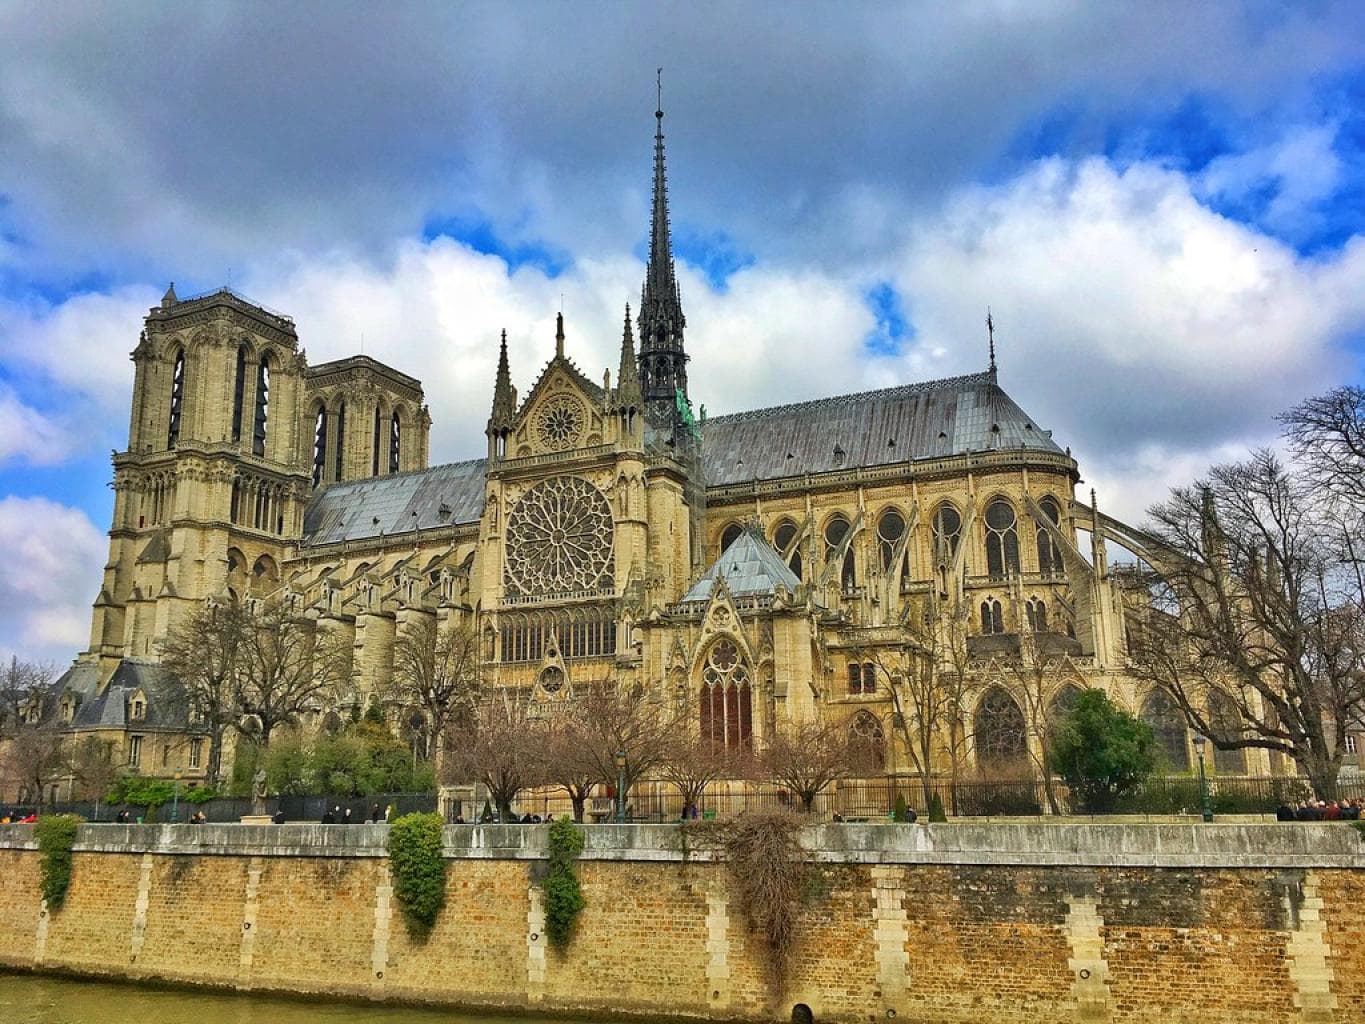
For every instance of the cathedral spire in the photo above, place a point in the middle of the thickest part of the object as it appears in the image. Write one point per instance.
(627, 378)
(663, 362)
(990, 334)
(504, 395)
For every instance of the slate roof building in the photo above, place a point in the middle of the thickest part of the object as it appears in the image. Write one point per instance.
(746, 572)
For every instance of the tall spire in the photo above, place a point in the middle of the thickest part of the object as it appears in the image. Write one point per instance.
(990, 333)
(663, 362)
(504, 395)
(627, 379)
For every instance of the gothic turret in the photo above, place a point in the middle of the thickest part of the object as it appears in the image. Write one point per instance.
(663, 362)
(628, 395)
(504, 406)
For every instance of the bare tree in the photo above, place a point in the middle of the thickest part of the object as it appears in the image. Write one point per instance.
(288, 667)
(564, 759)
(25, 695)
(501, 749)
(1264, 646)
(437, 670)
(34, 754)
(91, 761)
(1038, 680)
(806, 759)
(690, 764)
(1327, 436)
(206, 654)
(613, 720)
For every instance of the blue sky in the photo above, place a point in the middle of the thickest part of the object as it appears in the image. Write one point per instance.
(1161, 204)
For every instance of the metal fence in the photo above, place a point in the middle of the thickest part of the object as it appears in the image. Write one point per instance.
(850, 799)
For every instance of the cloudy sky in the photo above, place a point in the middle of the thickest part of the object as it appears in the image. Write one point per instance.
(1161, 203)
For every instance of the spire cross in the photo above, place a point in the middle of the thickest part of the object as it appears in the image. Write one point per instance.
(659, 90)
(990, 333)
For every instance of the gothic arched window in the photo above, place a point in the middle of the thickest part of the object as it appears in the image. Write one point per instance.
(262, 418)
(177, 398)
(1168, 726)
(729, 535)
(999, 730)
(992, 617)
(890, 533)
(238, 394)
(338, 457)
(375, 443)
(1036, 610)
(395, 442)
(1002, 539)
(836, 531)
(867, 742)
(1049, 554)
(726, 698)
(947, 531)
(1061, 705)
(319, 446)
(783, 538)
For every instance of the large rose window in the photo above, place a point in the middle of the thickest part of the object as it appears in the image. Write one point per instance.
(559, 422)
(559, 539)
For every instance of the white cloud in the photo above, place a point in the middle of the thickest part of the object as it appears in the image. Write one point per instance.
(53, 557)
(1302, 170)
(27, 435)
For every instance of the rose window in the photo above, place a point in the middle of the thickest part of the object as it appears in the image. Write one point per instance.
(559, 539)
(552, 679)
(559, 422)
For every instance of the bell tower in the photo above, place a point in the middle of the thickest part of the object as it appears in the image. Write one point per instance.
(209, 495)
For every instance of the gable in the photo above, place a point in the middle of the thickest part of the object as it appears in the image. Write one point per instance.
(562, 413)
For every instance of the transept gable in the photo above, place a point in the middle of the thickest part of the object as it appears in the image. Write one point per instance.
(722, 620)
(563, 412)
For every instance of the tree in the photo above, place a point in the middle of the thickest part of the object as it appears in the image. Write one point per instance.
(436, 669)
(1101, 752)
(34, 754)
(288, 667)
(1038, 679)
(1262, 644)
(501, 750)
(690, 764)
(91, 761)
(205, 653)
(806, 759)
(25, 695)
(564, 760)
(611, 720)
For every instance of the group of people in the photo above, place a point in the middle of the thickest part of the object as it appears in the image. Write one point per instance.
(336, 816)
(1321, 810)
(18, 817)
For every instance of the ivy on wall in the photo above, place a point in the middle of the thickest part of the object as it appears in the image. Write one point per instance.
(418, 866)
(56, 837)
(563, 894)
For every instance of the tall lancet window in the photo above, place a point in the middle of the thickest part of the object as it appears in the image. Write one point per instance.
(1049, 554)
(374, 447)
(319, 446)
(726, 699)
(262, 418)
(177, 398)
(395, 443)
(1002, 539)
(338, 461)
(238, 394)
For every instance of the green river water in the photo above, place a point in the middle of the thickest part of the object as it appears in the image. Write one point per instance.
(30, 999)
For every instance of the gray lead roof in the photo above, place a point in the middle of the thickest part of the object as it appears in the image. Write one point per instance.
(749, 566)
(927, 420)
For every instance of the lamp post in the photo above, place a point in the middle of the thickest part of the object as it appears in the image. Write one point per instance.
(175, 800)
(620, 786)
(1199, 742)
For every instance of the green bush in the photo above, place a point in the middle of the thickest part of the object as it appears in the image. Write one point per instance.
(563, 894)
(142, 792)
(1101, 752)
(936, 812)
(56, 837)
(419, 870)
(199, 795)
(902, 811)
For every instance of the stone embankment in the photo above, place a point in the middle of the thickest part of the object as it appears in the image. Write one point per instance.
(965, 923)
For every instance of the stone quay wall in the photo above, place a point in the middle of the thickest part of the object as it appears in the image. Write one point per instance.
(942, 923)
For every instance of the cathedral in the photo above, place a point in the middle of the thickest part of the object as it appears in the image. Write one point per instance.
(810, 561)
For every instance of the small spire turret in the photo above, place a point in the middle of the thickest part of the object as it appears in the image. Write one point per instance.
(170, 298)
(628, 395)
(559, 335)
(504, 395)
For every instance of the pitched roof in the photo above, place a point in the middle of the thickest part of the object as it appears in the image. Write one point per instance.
(166, 707)
(926, 420)
(748, 566)
(399, 503)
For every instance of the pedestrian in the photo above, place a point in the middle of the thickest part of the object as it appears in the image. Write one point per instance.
(374, 815)
(388, 815)
(346, 818)
(278, 819)
(329, 817)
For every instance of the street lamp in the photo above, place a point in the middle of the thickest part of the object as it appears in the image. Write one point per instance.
(1199, 742)
(175, 800)
(620, 786)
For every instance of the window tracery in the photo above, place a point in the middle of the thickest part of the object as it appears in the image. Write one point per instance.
(395, 442)
(1049, 554)
(1036, 611)
(262, 418)
(836, 530)
(992, 617)
(1002, 539)
(947, 532)
(726, 698)
(868, 742)
(559, 422)
(890, 532)
(559, 539)
(1168, 725)
(783, 538)
(584, 632)
(999, 729)
(729, 535)
(177, 398)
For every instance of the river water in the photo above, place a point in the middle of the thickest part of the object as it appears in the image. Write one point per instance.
(31, 999)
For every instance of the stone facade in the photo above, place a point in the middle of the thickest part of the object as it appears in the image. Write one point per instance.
(940, 924)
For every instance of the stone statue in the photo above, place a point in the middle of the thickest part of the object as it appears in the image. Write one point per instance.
(258, 792)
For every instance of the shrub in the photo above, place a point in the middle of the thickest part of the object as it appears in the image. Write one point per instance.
(142, 792)
(419, 870)
(1101, 752)
(563, 894)
(200, 795)
(902, 811)
(936, 812)
(56, 837)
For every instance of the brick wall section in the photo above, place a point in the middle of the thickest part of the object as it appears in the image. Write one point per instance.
(941, 926)
(19, 881)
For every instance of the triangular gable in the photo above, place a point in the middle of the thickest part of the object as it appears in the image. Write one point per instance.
(749, 566)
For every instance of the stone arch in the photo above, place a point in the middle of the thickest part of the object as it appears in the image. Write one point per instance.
(867, 742)
(785, 537)
(999, 730)
(266, 365)
(725, 696)
(1000, 532)
(892, 525)
(318, 422)
(178, 358)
